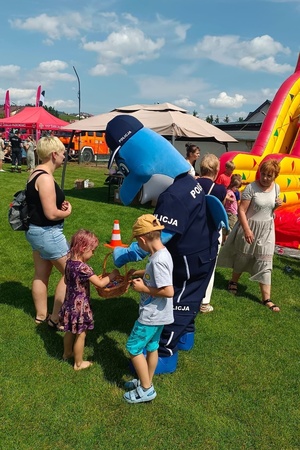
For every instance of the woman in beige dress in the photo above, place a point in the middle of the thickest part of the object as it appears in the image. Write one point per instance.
(250, 245)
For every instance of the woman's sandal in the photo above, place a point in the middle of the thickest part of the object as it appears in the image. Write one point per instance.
(232, 287)
(39, 321)
(54, 326)
(265, 302)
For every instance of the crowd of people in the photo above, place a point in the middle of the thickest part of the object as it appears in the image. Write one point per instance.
(249, 247)
(15, 150)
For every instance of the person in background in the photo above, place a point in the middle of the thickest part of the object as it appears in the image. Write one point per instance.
(237, 176)
(156, 308)
(2, 148)
(192, 154)
(231, 204)
(16, 152)
(76, 316)
(250, 245)
(209, 168)
(225, 177)
(29, 146)
(47, 211)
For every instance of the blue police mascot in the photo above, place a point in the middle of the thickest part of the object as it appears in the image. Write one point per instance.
(155, 170)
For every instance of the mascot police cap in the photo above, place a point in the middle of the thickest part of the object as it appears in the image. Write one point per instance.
(116, 136)
(140, 153)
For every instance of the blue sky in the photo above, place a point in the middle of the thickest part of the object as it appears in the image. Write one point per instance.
(219, 57)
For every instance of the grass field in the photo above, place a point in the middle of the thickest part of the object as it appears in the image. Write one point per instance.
(238, 388)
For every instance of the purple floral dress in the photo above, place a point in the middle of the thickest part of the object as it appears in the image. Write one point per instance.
(76, 315)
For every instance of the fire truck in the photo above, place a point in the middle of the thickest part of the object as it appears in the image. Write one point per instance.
(90, 145)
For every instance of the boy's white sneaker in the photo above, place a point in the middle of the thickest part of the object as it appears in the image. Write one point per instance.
(138, 395)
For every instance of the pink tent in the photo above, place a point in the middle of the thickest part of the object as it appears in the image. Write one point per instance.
(36, 118)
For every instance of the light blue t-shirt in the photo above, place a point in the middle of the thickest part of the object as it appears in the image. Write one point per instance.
(158, 273)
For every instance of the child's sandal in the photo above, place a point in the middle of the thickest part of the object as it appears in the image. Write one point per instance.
(232, 287)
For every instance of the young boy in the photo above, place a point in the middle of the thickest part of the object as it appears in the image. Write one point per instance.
(155, 310)
(225, 177)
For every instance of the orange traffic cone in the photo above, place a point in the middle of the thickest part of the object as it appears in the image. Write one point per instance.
(116, 237)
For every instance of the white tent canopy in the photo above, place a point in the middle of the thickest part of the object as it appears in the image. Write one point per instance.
(166, 119)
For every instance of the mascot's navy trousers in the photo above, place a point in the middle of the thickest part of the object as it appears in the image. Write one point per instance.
(191, 276)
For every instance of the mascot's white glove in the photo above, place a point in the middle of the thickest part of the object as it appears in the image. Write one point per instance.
(133, 253)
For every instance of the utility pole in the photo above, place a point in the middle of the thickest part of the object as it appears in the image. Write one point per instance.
(79, 112)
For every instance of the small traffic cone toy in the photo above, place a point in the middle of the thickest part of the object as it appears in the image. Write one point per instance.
(116, 237)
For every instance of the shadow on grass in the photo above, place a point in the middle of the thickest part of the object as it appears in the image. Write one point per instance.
(111, 316)
(16, 295)
(289, 266)
(99, 194)
(221, 283)
(13, 293)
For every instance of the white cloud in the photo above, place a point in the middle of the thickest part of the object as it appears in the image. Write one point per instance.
(163, 88)
(106, 69)
(19, 96)
(50, 66)
(9, 71)
(55, 27)
(127, 46)
(256, 54)
(225, 101)
(265, 65)
(185, 103)
(52, 71)
(60, 104)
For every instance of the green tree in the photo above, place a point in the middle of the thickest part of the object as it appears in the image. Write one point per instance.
(51, 110)
(226, 119)
(209, 119)
(217, 120)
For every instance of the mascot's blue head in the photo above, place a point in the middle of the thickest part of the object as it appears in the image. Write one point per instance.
(147, 160)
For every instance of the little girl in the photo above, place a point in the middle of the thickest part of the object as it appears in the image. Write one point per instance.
(231, 204)
(75, 316)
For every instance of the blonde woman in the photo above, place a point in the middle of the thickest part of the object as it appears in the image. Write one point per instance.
(209, 168)
(47, 209)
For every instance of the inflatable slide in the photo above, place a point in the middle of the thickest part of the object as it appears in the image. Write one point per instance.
(278, 138)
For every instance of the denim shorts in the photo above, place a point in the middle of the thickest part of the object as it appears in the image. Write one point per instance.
(50, 242)
(143, 336)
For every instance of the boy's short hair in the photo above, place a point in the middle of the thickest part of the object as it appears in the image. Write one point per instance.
(230, 165)
(145, 224)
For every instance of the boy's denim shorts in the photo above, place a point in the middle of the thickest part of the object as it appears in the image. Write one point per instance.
(50, 242)
(143, 336)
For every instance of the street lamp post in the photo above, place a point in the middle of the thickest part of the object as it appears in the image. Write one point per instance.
(79, 112)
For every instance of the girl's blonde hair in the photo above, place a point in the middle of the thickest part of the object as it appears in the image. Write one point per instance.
(47, 145)
(209, 165)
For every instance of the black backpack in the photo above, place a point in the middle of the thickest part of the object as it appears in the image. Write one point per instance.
(18, 213)
(18, 217)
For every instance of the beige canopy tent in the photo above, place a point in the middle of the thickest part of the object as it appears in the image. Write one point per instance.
(166, 119)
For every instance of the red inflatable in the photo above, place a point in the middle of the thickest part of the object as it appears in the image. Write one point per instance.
(287, 226)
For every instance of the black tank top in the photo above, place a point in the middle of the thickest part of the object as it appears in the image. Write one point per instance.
(36, 213)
